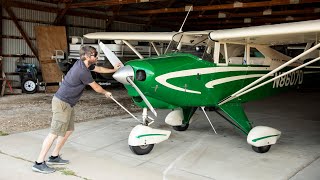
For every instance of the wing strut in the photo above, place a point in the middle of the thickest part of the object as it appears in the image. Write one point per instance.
(246, 89)
(133, 49)
(202, 107)
(155, 48)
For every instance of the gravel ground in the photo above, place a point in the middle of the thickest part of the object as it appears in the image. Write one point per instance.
(27, 112)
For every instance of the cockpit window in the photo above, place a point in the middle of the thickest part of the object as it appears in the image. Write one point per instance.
(199, 51)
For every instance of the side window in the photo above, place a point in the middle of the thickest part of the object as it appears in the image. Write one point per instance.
(237, 54)
(255, 53)
(222, 55)
(256, 57)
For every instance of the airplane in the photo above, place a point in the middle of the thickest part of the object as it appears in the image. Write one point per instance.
(235, 66)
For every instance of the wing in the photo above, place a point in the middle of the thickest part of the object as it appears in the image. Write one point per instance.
(278, 34)
(192, 37)
(133, 36)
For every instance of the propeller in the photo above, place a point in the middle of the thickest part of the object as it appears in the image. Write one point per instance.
(124, 74)
(114, 60)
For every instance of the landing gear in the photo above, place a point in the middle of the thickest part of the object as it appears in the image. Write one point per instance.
(142, 137)
(183, 127)
(262, 137)
(179, 119)
(262, 149)
(142, 150)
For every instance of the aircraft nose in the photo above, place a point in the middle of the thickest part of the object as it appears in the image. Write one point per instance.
(122, 74)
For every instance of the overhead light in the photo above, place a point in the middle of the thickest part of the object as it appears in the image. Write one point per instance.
(267, 12)
(222, 15)
(237, 4)
(247, 20)
(188, 8)
(294, 1)
(289, 18)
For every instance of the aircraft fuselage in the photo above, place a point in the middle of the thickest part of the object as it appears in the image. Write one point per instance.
(184, 80)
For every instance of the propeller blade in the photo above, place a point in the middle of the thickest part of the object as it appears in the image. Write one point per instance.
(142, 96)
(114, 60)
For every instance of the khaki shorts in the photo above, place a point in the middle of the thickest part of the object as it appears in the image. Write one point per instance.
(62, 118)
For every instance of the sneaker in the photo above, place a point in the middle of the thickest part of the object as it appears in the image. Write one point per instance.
(58, 160)
(43, 168)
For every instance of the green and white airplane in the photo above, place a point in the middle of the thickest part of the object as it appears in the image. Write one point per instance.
(236, 66)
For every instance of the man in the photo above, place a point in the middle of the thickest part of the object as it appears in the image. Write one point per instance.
(63, 103)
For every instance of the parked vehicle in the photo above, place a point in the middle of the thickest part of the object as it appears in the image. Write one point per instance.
(28, 75)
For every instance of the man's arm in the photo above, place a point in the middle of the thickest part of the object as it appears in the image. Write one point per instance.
(100, 69)
(96, 87)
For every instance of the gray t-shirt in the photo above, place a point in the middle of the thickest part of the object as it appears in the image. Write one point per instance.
(74, 82)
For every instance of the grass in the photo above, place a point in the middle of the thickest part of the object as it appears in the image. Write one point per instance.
(68, 172)
(3, 133)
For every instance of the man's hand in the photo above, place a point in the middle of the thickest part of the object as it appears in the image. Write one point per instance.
(108, 94)
(117, 66)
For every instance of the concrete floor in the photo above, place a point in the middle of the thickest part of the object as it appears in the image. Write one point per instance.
(99, 150)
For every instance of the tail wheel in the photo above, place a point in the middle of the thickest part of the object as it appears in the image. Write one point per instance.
(262, 149)
(29, 85)
(142, 150)
(183, 127)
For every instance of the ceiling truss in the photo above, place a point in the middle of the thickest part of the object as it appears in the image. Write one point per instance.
(205, 14)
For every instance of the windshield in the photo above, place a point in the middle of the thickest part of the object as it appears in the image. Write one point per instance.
(199, 51)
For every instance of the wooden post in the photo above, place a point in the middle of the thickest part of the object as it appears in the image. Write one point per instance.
(3, 81)
(1, 39)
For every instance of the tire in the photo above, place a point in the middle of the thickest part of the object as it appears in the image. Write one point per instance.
(262, 149)
(183, 127)
(29, 85)
(142, 150)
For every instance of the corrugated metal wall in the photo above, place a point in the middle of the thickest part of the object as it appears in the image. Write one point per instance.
(123, 26)
(38, 3)
(97, 25)
(19, 46)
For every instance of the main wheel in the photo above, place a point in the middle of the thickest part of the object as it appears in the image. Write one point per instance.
(183, 127)
(29, 85)
(262, 149)
(142, 150)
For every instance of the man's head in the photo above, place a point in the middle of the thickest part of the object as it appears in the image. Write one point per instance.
(88, 53)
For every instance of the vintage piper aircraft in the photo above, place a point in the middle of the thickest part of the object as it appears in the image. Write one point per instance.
(236, 66)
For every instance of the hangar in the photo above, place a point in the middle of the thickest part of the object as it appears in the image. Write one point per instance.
(238, 39)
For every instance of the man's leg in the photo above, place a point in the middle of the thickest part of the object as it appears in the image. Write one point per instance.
(55, 157)
(40, 164)
(46, 146)
(59, 125)
(60, 142)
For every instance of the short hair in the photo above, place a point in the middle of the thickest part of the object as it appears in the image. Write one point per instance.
(86, 50)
